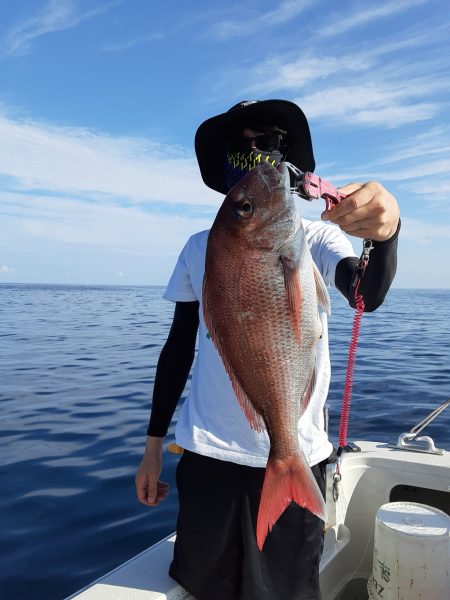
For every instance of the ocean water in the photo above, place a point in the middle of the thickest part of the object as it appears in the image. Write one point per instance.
(77, 364)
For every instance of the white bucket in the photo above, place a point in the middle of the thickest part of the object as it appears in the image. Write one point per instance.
(411, 557)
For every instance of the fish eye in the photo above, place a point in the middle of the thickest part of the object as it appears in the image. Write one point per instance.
(245, 209)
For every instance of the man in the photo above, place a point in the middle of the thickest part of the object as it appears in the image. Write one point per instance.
(220, 474)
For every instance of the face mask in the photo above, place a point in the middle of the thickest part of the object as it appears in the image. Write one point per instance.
(238, 164)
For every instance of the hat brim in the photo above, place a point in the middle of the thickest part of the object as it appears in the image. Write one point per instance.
(210, 139)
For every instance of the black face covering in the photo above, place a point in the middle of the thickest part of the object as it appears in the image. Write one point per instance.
(238, 164)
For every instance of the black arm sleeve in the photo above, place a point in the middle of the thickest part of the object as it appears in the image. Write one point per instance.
(174, 364)
(378, 276)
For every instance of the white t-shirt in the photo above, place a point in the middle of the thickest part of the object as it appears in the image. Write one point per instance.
(211, 421)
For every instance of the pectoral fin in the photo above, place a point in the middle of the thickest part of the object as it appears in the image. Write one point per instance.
(293, 293)
(321, 289)
(309, 390)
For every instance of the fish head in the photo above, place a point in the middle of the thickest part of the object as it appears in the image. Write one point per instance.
(259, 209)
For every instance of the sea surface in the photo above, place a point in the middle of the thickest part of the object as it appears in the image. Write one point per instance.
(77, 365)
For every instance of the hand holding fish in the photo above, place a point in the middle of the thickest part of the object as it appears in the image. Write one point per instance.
(369, 211)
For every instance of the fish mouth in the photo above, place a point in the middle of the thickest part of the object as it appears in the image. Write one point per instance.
(274, 177)
(282, 168)
(284, 172)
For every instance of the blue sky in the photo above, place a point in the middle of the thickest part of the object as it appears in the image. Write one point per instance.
(100, 101)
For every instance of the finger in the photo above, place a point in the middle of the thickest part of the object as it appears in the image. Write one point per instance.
(141, 492)
(359, 233)
(373, 218)
(360, 217)
(366, 228)
(355, 192)
(162, 495)
(346, 212)
(163, 489)
(350, 204)
(356, 228)
(349, 188)
(152, 493)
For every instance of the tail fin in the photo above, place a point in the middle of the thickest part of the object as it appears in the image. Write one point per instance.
(286, 480)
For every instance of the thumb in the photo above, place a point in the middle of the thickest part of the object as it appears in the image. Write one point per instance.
(152, 490)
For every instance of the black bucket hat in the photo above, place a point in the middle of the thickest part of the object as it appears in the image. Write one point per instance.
(211, 136)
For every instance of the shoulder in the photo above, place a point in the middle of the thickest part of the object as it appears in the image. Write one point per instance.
(196, 245)
(186, 280)
(199, 239)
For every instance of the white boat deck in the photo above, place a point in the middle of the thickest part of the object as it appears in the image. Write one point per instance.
(369, 477)
(143, 577)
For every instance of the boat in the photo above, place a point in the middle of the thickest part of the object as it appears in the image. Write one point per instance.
(411, 476)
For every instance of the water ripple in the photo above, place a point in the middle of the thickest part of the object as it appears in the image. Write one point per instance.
(76, 370)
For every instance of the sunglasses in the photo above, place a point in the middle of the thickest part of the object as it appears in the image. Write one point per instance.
(267, 142)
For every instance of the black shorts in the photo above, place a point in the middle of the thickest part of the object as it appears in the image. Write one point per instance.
(216, 556)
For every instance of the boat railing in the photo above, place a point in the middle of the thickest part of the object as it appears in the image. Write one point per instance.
(414, 442)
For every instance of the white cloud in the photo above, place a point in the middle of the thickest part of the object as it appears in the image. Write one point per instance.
(120, 274)
(425, 170)
(95, 165)
(379, 103)
(76, 241)
(419, 164)
(94, 198)
(412, 38)
(256, 21)
(345, 22)
(56, 15)
(137, 41)
(422, 145)
(422, 232)
(347, 87)
(395, 115)
(293, 73)
(4, 269)
(435, 190)
(130, 230)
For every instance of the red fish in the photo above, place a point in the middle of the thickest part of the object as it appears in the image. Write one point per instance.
(261, 292)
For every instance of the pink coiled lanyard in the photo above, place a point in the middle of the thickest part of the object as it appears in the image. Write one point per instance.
(311, 186)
